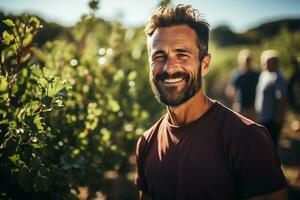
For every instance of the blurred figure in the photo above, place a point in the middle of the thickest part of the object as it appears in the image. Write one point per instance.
(293, 86)
(241, 90)
(271, 94)
(293, 94)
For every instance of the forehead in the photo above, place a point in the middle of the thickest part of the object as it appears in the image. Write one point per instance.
(173, 36)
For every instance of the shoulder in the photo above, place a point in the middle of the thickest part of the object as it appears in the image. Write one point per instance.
(239, 132)
(231, 117)
(255, 74)
(236, 77)
(235, 126)
(280, 77)
(280, 82)
(263, 73)
(254, 136)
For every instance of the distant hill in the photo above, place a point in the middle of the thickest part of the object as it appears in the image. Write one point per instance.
(49, 32)
(224, 36)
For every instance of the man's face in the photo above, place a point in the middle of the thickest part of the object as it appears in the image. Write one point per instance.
(272, 64)
(175, 72)
(246, 63)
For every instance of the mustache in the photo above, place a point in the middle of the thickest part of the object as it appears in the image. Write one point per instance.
(165, 75)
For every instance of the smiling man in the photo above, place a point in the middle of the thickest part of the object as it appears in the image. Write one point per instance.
(199, 149)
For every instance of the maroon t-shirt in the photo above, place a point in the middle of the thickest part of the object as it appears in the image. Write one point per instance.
(221, 155)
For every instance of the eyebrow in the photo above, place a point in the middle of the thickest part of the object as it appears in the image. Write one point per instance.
(159, 51)
(178, 50)
(182, 50)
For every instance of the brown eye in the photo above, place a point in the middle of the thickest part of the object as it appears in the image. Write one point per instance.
(181, 55)
(159, 57)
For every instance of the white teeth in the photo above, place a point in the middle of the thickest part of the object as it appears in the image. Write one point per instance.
(173, 80)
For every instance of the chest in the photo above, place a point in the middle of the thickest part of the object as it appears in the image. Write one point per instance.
(195, 165)
(247, 82)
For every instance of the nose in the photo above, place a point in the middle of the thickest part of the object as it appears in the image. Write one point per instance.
(170, 65)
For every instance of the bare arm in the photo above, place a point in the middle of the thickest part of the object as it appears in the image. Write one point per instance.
(231, 93)
(278, 195)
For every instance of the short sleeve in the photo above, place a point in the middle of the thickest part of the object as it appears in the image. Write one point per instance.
(140, 176)
(256, 166)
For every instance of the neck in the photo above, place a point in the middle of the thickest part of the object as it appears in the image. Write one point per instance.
(189, 111)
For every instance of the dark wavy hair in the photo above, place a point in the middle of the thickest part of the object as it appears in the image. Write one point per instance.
(181, 15)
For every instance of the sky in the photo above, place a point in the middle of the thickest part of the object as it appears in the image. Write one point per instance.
(239, 15)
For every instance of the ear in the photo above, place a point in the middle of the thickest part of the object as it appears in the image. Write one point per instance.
(205, 65)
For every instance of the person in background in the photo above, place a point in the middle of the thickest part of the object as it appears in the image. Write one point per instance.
(241, 90)
(199, 149)
(293, 86)
(271, 95)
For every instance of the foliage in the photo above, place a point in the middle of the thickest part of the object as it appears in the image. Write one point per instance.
(164, 2)
(28, 94)
(77, 114)
(287, 43)
(102, 115)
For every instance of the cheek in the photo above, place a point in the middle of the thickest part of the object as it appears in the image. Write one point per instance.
(156, 68)
(153, 72)
(192, 67)
(192, 70)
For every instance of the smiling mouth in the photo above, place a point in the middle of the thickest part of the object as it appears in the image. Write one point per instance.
(172, 80)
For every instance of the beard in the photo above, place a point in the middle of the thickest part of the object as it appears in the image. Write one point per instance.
(174, 96)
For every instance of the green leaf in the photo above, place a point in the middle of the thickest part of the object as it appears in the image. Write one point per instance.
(14, 158)
(55, 88)
(3, 84)
(119, 75)
(38, 122)
(30, 109)
(9, 22)
(7, 37)
(113, 105)
(132, 75)
(37, 146)
(27, 40)
(35, 22)
(106, 134)
(36, 70)
(5, 121)
(25, 57)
